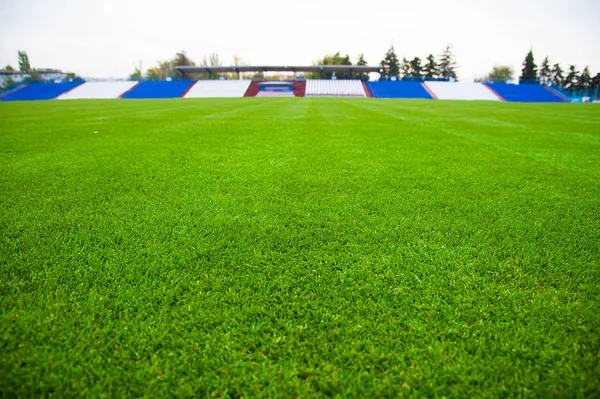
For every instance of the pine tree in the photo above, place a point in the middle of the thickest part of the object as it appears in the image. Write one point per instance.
(570, 82)
(343, 61)
(362, 62)
(585, 80)
(416, 68)
(24, 65)
(529, 71)
(556, 75)
(405, 68)
(447, 65)
(545, 72)
(431, 68)
(595, 84)
(390, 63)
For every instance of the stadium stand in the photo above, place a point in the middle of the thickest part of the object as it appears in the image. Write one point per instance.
(526, 93)
(10, 91)
(91, 90)
(398, 89)
(40, 91)
(345, 88)
(218, 88)
(461, 91)
(162, 89)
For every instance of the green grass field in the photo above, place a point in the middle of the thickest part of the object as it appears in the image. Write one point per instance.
(299, 247)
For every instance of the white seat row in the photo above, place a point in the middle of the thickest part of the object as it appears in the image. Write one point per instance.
(90, 90)
(218, 88)
(461, 91)
(353, 88)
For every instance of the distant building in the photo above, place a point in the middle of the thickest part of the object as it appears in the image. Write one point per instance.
(45, 74)
(51, 74)
(15, 76)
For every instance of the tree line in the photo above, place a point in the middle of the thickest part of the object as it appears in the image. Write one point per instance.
(166, 68)
(547, 74)
(393, 68)
(554, 74)
(416, 69)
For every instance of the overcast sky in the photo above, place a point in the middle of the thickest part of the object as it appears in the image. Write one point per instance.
(104, 38)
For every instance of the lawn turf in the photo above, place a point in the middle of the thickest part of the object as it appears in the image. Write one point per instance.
(299, 247)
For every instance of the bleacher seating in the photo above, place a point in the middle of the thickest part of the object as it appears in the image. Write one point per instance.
(461, 91)
(525, 93)
(334, 88)
(91, 90)
(398, 89)
(218, 88)
(159, 89)
(40, 91)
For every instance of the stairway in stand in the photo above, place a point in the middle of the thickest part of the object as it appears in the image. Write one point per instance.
(253, 90)
(299, 88)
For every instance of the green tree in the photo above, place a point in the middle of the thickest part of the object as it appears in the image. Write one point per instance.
(545, 71)
(7, 83)
(214, 60)
(390, 64)
(501, 72)
(595, 84)
(431, 68)
(167, 68)
(405, 68)
(136, 75)
(529, 71)
(447, 65)
(415, 67)
(335, 59)
(137, 72)
(344, 61)
(181, 59)
(9, 68)
(584, 81)
(154, 73)
(24, 65)
(34, 76)
(556, 75)
(361, 62)
(570, 82)
(71, 75)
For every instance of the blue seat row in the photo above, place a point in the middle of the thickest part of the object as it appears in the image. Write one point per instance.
(159, 89)
(398, 89)
(525, 93)
(40, 91)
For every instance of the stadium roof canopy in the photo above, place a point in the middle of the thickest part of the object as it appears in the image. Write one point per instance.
(312, 68)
